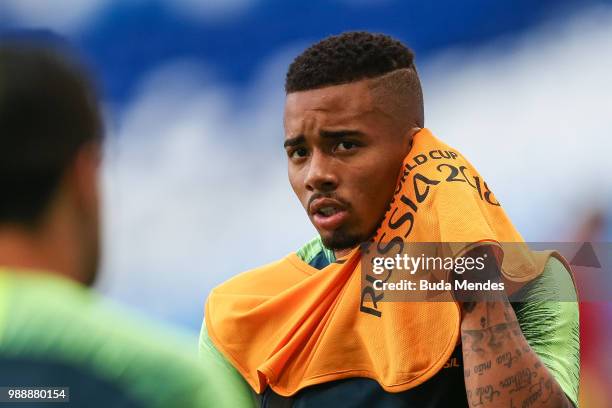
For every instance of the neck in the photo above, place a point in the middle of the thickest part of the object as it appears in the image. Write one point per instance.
(340, 253)
(47, 250)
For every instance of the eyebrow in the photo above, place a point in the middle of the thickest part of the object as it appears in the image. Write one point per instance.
(325, 134)
(294, 141)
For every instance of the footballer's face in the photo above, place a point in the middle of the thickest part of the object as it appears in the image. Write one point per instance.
(344, 155)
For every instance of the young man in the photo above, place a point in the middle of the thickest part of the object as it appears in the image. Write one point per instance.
(54, 331)
(307, 331)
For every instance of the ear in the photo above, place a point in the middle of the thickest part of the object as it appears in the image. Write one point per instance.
(84, 175)
(409, 138)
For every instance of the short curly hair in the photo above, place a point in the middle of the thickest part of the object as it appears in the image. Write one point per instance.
(345, 58)
(358, 55)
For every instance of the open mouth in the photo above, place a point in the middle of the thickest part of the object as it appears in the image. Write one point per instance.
(327, 214)
(327, 211)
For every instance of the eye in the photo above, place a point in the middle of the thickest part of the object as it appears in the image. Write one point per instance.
(298, 153)
(346, 145)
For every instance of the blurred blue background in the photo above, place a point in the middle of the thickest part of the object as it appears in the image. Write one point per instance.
(195, 176)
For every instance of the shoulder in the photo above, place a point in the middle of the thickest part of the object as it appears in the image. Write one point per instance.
(65, 324)
(265, 280)
(554, 283)
(289, 270)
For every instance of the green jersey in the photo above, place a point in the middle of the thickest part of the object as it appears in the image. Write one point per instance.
(54, 332)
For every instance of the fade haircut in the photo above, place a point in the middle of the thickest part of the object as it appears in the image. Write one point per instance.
(355, 56)
(47, 113)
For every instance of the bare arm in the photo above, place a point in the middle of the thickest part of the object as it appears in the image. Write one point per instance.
(500, 368)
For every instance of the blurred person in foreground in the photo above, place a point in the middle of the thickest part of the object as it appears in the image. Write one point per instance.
(311, 330)
(54, 330)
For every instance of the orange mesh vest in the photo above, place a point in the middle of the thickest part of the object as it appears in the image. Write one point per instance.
(288, 325)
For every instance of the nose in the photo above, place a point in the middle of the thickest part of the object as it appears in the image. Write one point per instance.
(321, 176)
